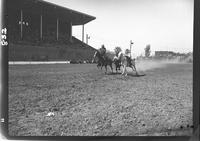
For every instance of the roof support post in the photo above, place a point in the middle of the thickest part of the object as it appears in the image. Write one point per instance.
(57, 33)
(70, 32)
(87, 38)
(21, 25)
(83, 33)
(41, 27)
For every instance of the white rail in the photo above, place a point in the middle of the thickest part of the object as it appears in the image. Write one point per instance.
(37, 62)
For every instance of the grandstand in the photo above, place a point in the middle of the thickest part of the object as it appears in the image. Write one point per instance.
(39, 30)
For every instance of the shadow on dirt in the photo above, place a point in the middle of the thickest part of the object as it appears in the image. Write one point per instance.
(136, 75)
(133, 75)
(114, 73)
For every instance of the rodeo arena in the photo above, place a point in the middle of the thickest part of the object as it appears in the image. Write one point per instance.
(61, 86)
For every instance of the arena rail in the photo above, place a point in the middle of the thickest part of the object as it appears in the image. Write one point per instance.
(37, 62)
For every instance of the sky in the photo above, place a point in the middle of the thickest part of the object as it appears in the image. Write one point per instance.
(167, 25)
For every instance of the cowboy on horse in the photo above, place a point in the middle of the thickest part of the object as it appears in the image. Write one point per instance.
(102, 51)
(103, 59)
(117, 58)
(128, 56)
(124, 60)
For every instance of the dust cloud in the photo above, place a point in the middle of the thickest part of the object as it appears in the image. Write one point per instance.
(144, 65)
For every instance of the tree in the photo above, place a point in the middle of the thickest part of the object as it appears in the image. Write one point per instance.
(147, 50)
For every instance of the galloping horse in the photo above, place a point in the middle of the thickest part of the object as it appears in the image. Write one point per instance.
(128, 62)
(103, 61)
(125, 62)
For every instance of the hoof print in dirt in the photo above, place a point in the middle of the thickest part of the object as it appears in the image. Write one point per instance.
(55, 109)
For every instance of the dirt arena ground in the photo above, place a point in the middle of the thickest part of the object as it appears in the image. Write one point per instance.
(86, 102)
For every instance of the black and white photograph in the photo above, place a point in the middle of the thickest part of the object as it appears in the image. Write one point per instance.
(100, 67)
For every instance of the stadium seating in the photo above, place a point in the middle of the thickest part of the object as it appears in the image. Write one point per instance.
(50, 50)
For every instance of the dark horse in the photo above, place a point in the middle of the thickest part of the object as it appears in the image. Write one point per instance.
(103, 61)
(117, 64)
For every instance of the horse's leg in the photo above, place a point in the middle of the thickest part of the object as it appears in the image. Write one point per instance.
(119, 67)
(124, 70)
(101, 66)
(135, 69)
(116, 67)
(106, 69)
(111, 67)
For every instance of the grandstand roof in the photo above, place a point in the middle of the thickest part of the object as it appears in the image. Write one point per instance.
(47, 8)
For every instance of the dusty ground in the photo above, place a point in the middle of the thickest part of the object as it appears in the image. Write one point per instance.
(85, 101)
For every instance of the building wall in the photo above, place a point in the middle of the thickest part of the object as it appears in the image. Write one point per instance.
(164, 53)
